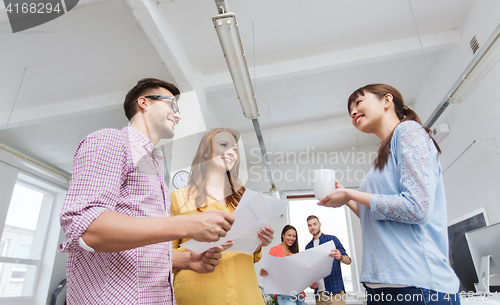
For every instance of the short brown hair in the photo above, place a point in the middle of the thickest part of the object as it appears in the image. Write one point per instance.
(312, 217)
(143, 87)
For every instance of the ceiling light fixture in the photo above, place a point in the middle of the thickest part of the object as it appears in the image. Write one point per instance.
(482, 62)
(35, 164)
(229, 36)
(230, 40)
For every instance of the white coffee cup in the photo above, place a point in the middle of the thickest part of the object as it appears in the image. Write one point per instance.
(323, 182)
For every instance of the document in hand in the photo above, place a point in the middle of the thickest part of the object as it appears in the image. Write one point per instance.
(254, 211)
(292, 274)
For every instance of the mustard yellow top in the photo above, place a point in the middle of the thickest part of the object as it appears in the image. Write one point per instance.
(233, 281)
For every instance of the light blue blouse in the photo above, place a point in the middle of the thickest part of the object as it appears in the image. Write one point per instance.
(405, 239)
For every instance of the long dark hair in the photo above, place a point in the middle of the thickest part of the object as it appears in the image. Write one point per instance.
(294, 248)
(197, 185)
(402, 111)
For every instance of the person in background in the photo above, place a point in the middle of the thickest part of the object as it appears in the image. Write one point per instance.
(116, 212)
(289, 245)
(401, 205)
(214, 186)
(329, 290)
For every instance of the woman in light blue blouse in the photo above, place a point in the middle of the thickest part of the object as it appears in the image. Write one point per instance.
(401, 205)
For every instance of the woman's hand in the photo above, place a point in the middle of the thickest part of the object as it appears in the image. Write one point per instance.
(352, 204)
(335, 198)
(263, 272)
(338, 185)
(266, 236)
(349, 197)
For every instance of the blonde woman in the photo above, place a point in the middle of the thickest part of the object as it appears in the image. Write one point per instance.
(214, 185)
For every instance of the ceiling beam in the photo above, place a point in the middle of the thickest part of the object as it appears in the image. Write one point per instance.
(57, 111)
(155, 25)
(342, 59)
(292, 131)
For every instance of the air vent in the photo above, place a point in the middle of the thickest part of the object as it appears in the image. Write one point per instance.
(474, 45)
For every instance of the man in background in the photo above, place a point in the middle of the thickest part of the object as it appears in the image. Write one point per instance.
(329, 290)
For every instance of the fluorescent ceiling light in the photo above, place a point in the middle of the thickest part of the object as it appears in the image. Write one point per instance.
(36, 164)
(480, 65)
(230, 40)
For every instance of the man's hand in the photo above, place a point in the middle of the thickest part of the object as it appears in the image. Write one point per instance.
(263, 272)
(336, 254)
(210, 226)
(314, 285)
(206, 261)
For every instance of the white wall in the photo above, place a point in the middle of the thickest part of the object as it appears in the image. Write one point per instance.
(471, 179)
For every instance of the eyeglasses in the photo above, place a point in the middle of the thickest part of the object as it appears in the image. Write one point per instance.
(173, 104)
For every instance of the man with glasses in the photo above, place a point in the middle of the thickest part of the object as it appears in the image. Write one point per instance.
(116, 212)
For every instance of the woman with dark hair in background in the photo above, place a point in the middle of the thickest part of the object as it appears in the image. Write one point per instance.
(401, 205)
(289, 245)
(214, 185)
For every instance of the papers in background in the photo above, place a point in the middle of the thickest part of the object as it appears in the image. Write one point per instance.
(254, 211)
(292, 274)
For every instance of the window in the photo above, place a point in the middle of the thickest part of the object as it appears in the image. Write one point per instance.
(23, 250)
(3, 246)
(333, 222)
(18, 274)
(23, 239)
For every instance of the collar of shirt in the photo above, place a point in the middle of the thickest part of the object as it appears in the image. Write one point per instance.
(141, 138)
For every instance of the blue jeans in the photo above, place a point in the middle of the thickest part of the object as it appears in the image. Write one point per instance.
(290, 300)
(409, 296)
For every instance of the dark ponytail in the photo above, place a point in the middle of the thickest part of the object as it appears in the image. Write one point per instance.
(403, 112)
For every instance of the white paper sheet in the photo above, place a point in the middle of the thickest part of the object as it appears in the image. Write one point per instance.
(254, 211)
(292, 274)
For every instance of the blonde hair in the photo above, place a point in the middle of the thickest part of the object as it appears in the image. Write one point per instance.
(197, 185)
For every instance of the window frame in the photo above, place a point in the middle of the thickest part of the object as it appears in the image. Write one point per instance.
(39, 238)
(15, 279)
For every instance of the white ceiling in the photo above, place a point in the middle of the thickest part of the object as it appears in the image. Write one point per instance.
(306, 57)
